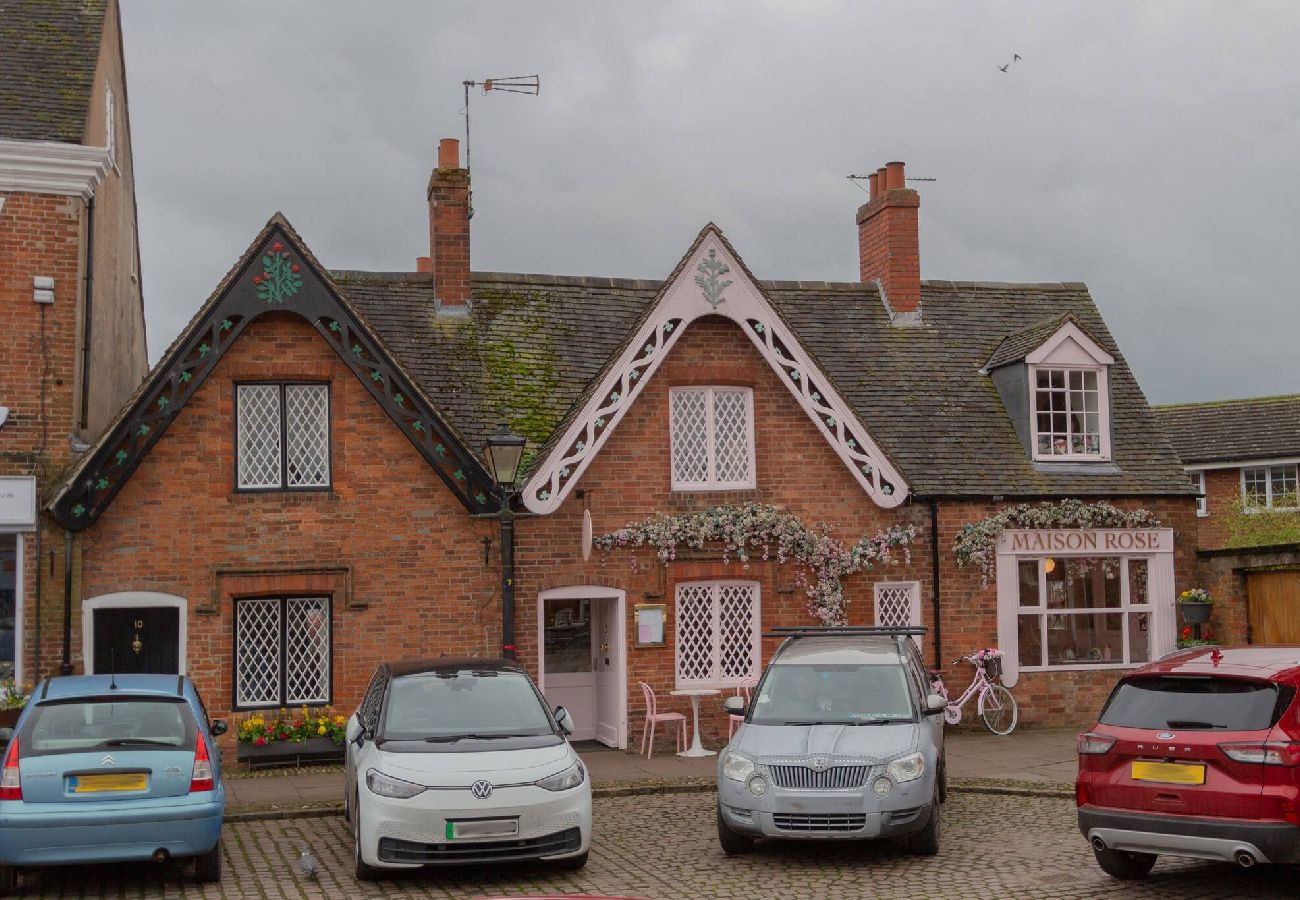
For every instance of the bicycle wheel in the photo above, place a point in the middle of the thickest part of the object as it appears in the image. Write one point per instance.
(998, 709)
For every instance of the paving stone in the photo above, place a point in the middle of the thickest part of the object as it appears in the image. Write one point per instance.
(663, 847)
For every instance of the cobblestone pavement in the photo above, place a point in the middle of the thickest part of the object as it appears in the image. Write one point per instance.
(663, 846)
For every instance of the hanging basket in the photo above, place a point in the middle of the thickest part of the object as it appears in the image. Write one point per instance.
(1195, 613)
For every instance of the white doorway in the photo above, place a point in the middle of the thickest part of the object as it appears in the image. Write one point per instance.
(582, 660)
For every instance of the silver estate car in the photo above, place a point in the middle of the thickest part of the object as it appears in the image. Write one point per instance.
(843, 740)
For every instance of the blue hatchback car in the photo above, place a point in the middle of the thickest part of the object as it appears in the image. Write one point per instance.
(111, 769)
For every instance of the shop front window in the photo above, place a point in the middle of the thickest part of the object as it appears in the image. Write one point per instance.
(1083, 611)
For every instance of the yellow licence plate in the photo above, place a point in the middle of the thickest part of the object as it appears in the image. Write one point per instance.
(95, 784)
(1169, 773)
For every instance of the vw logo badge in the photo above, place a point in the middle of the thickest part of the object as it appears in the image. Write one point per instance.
(481, 789)
(1165, 735)
(108, 760)
(819, 763)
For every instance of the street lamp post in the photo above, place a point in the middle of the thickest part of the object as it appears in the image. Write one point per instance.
(503, 451)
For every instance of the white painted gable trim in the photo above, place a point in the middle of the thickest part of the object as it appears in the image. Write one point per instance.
(712, 282)
(50, 167)
(1069, 332)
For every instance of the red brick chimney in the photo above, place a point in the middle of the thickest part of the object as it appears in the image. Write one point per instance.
(448, 258)
(889, 249)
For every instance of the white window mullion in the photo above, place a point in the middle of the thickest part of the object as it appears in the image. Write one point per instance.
(710, 437)
(715, 652)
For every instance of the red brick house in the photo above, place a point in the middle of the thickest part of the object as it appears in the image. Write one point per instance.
(72, 342)
(1242, 457)
(299, 483)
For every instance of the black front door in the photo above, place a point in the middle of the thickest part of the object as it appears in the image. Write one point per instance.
(137, 639)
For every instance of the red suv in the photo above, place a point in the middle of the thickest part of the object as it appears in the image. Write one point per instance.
(1197, 754)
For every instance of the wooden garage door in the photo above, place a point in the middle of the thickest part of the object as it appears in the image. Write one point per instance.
(1274, 603)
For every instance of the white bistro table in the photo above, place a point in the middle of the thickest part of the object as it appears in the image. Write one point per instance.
(696, 748)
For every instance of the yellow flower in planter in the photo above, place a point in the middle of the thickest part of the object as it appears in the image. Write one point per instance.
(320, 730)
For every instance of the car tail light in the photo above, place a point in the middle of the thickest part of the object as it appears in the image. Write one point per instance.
(1092, 744)
(11, 785)
(1080, 794)
(1265, 753)
(201, 780)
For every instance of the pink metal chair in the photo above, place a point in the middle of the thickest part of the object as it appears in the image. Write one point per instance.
(652, 716)
(733, 720)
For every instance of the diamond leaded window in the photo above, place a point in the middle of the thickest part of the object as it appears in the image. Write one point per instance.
(282, 651)
(718, 642)
(282, 436)
(712, 434)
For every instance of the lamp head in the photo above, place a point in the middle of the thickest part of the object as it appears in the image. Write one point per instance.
(503, 451)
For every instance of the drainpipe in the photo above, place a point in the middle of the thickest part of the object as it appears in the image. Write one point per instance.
(86, 314)
(65, 668)
(934, 580)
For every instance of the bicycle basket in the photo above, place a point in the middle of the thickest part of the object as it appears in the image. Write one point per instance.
(993, 666)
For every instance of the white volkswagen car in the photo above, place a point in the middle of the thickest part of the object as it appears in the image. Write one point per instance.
(453, 761)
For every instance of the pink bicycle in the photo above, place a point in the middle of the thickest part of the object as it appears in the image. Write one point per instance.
(995, 704)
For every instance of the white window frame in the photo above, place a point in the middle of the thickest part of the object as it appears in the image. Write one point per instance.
(1202, 501)
(1268, 487)
(715, 679)
(283, 701)
(1046, 613)
(1103, 453)
(711, 483)
(19, 589)
(284, 485)
(913, 589)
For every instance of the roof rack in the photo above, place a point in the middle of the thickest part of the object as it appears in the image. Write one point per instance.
(815, 630)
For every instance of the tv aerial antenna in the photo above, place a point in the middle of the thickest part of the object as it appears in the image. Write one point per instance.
(511, 84)
(858, 179)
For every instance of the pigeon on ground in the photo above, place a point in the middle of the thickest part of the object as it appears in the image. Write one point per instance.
(307, 864)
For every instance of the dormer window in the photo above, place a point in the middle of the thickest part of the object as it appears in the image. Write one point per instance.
(1069, 397)
(1067, 412)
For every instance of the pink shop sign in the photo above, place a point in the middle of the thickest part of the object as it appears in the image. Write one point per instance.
(1087, 541)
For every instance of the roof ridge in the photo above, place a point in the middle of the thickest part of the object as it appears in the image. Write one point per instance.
(1232, 401)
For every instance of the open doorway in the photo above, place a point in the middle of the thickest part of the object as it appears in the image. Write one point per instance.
(583, 662)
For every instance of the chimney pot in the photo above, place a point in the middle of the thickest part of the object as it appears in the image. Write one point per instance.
(889, 242)
(448, 153)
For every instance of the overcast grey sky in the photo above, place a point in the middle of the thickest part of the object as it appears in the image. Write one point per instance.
(1147, 148)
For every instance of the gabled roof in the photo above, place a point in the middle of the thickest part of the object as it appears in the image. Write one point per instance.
(277, 273)
(48, 53)
(1022, 344)
(699, 287)
(919, 389)
(1226, 431)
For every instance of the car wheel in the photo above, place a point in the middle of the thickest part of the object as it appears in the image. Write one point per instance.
(733, 842)
(926, 841)
(207, 866)
(8, 880)
(1125, 865)
(573, 862)
(363, 870)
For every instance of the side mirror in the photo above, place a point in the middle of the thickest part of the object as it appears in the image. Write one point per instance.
(217, 727)
(935, 704)
(564, 720)
(734, 706)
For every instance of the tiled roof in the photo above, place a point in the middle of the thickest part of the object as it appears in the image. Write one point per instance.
(532, 344)
(1255, 428)
(1015, 347)
(48, 51)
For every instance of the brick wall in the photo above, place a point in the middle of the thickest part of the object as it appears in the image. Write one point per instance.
(400, 556)
(1222, 490)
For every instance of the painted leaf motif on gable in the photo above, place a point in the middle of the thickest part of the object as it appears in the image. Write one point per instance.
(280, 278)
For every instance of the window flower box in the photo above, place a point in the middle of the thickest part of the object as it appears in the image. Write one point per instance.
(290, 753)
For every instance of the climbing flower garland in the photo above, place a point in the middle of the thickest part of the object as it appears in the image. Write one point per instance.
(977, 541)
(778, 534)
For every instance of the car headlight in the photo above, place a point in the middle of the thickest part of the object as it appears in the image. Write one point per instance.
(388, 786)
(737, 767)
(562, 781)
(907, 768)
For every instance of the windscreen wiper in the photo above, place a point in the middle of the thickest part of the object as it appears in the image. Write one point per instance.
(877, 721)
(451, 739)
(139, 742)
(1191, 723)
